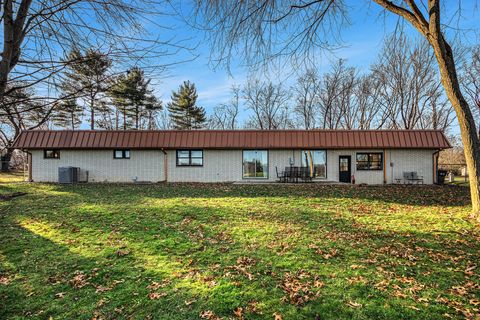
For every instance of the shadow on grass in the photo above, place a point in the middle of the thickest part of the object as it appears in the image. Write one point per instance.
(395, 194)
(118, 239)
(47, 278)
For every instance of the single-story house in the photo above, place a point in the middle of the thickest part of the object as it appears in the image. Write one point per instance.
(368, 156)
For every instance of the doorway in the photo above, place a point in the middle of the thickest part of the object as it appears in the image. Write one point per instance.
(345, 169)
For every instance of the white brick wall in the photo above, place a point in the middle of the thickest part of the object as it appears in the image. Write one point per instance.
(219, 165)
(146, 165)
(420, 161)
(410, 160)
(225, 165)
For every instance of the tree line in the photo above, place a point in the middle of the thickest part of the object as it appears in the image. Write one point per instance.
(401, 90)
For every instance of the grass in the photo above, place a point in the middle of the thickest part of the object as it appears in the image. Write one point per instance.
(13, 176)
(459, 181)
(190, 251)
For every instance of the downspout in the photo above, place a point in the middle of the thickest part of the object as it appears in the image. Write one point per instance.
(165, 165)
(435, 157)
(29, 165)
(384, 166)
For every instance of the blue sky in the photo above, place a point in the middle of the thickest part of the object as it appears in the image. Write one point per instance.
(362, 41)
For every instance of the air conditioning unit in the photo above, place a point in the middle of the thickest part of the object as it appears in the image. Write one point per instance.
(68, 174)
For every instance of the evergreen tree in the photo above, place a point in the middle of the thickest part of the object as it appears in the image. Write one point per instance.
(68, 113)
(87, 79)
(184, 112)
(134, 100)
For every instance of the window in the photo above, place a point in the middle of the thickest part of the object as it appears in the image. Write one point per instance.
(121, 154)
(51, 154)
(190, 158)
(369, 161)
(316, 161)
(255, 164)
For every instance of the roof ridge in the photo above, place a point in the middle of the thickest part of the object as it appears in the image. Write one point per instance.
(243, 130)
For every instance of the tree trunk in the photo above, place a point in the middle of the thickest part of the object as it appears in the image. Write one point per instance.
(136, 117)
(92, 113)
(92, 119)
(124, 118)
(470, 139)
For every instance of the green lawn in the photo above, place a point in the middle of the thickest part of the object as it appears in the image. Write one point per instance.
(186, 251)
(13, 176)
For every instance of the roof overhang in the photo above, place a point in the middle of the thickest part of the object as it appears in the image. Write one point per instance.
(233, 139)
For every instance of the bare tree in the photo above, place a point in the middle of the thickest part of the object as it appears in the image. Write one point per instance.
(268, 29)
(336, 95)
(411, 90)
(38, 34)
(22, 112)
(163, 120)
(439, 114)
(225, 116)
(307, 99)
(366, 112)
(471, 81)
(269, 104)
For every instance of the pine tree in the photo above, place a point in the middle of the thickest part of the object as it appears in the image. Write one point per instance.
(87, 79)
(68, 113)
(184, 112)
(134, 100)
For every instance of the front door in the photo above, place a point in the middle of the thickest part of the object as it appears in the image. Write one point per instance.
(345, 170)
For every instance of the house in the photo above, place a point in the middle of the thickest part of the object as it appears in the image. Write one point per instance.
(370, 156)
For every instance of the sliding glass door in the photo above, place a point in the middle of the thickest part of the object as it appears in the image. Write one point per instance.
(255, 164)
(316, 161)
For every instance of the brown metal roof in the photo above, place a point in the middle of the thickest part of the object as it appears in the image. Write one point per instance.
(233, 139)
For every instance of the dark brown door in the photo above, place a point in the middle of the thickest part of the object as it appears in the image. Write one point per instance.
(345, 169)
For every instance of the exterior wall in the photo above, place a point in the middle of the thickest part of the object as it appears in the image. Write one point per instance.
(225, 165)
(145, 165)
(219, 165)
(361, 176)
(420, 161)
(396, 162)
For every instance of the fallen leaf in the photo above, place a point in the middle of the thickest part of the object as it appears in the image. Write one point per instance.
(353, 304)
(4, 280)
(474, 302)
(189, 302)
(101, 289)
(156, 295)
(122, 253)
(238, 312)
(79, 280)
(209, 315)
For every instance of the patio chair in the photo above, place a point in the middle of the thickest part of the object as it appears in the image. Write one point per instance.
(294, 174)
(280, 175)
(291, 174)
(305, 174)
(412, 177)
(416, 178)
